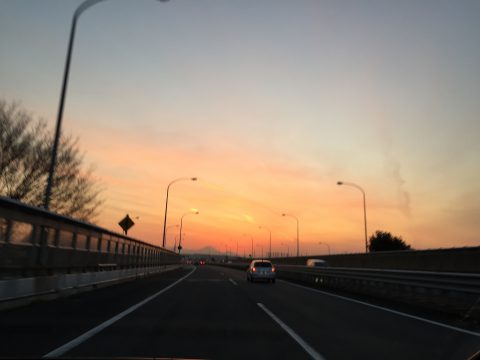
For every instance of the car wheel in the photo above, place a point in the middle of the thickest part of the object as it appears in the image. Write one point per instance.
(273, 281)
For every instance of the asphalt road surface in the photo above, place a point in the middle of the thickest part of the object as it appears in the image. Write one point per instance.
(214, 313)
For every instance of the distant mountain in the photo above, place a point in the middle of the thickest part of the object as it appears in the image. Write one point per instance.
(208, 250)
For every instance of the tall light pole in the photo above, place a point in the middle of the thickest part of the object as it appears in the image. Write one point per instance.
(166, 207)
(364, 208)
(328, 246)
(251, 237)
(181, 225)
(298, 243)
(171, 226)
(58, 128)
(270, 231)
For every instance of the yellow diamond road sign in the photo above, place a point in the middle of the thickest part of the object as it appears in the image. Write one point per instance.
(126, 223)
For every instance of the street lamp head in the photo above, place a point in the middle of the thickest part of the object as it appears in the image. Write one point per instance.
(284, 214)
(339, 182)
(193, 178)
(197, 212)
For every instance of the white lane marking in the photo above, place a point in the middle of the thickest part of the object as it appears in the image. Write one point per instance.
(311, 351)
(77, 341)
(387, 309)
(233, 281)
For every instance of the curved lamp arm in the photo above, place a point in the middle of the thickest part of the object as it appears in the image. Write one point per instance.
(80, 9)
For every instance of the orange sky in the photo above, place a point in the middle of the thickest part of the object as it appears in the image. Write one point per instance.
(240, 189)
(269, 104)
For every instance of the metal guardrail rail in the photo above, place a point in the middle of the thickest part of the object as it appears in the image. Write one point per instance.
(445, 281)
(36, 242)
(456, 293)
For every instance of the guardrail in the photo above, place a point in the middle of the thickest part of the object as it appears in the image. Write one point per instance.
(455, 293)
(36, 242)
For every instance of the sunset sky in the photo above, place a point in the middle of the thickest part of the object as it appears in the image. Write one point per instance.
(269, 104)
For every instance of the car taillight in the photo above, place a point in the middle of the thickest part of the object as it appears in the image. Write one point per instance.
(273, 269)
(253, 269)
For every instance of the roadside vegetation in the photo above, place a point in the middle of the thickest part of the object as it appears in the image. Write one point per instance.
(385, 241)
(25, 150)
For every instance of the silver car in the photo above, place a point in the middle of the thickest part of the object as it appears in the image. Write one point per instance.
(261, 270)
(316, 263)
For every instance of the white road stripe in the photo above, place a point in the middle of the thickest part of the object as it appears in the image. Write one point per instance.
(85, 336)
(473, 333)
(311, 351)
(233, 282)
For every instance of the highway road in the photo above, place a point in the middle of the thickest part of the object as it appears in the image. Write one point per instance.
(211, 312)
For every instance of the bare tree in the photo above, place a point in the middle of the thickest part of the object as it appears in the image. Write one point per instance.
(25, 146)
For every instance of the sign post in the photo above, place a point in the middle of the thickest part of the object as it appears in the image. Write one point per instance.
(126, 223)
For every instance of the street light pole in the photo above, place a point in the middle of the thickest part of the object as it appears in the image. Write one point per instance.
(66, 72)
(270, 232)
(251, 254)
(181, 225)
(298, 242)
(166, 207)
(364, 208)
(169, 227)
(252, 248)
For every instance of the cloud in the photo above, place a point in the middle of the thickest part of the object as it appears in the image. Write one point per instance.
(392, 165)
(393, 169)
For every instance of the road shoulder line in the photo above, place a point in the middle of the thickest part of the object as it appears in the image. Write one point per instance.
(85, 336)
(310, 351)
(450, 327)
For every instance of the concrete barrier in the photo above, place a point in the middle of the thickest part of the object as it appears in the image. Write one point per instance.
(21, 291)
(466, 260)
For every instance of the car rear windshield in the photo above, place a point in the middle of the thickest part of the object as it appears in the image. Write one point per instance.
(263, 264)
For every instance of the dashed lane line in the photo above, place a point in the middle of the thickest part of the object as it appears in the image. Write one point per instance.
(310, 351)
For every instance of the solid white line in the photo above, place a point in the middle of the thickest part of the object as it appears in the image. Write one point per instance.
(233, 282)
(77, 341)
(311, 351)
(473, 333)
